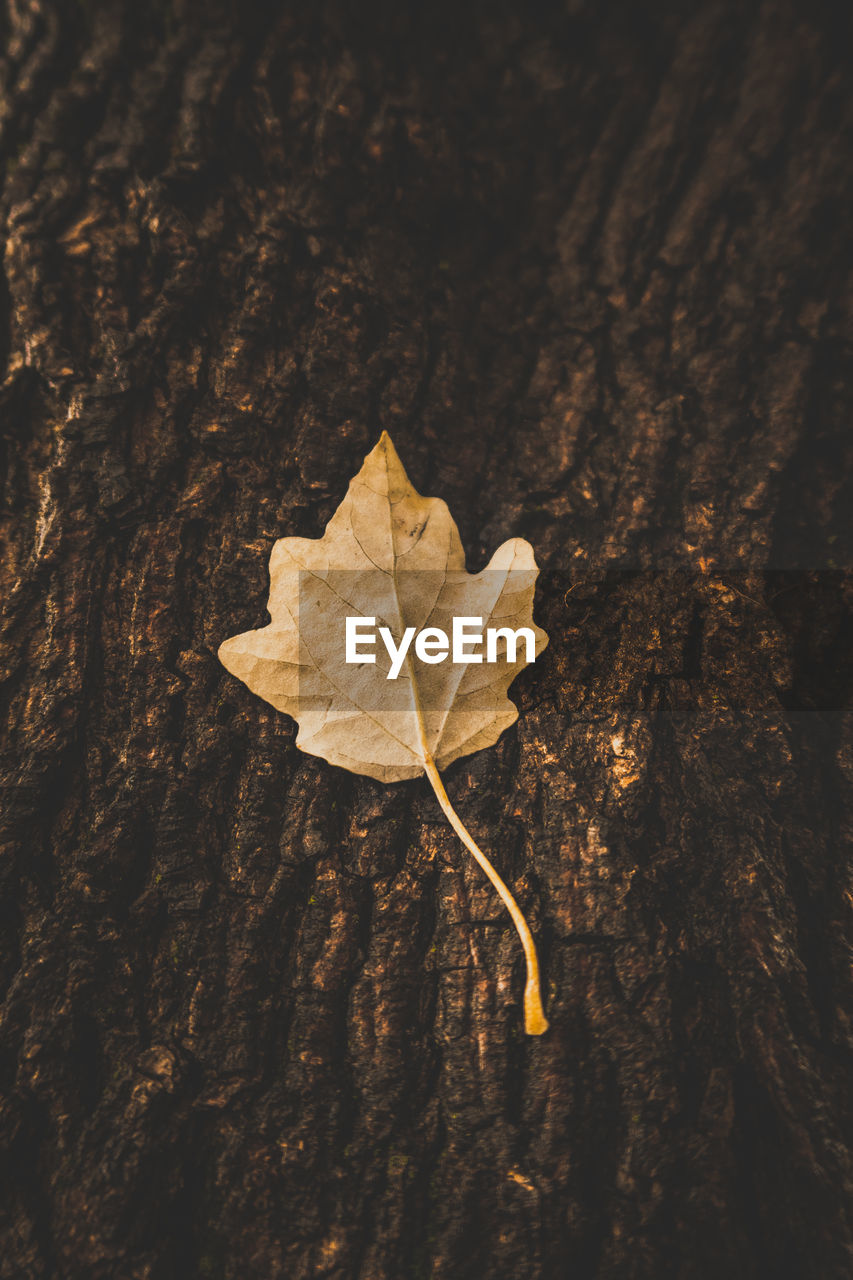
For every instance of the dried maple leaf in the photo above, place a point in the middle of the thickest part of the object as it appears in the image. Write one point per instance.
(393, 559)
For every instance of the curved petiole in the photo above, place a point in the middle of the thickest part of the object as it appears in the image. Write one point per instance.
(535, 1022)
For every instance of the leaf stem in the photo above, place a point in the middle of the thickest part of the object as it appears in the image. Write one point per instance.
(535, 1021)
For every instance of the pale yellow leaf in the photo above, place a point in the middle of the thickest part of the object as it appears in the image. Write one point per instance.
(393, 556)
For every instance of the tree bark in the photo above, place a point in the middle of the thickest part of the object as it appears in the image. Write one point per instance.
(590, 266)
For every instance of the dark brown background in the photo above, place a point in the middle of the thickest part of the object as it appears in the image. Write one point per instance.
(590, 265)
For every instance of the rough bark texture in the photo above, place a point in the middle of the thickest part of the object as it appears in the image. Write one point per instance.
(591, 267)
